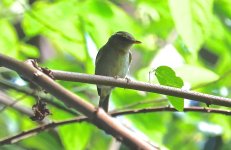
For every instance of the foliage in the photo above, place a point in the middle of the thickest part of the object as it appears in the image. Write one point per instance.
(191, 36)
(167, 76)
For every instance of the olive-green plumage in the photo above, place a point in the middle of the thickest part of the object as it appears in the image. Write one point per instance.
(113, 60)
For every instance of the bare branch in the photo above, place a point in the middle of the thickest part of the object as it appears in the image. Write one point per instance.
(142, 86)
(35, 131)
(97, 116)
(6, 100)
(10, 104)
(32, 92)
(170, 109)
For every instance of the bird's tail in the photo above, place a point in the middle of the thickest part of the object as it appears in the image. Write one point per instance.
(103, 102)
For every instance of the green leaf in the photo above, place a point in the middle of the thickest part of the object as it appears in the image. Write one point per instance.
(223, 7)
(29, 50)
(75, 136)
(196, 75)
(220, 44)
(145, 123)
(155, 16)
(49, 140)
(98, 23)
(30, 26)
(177, 102)
(123, 98)
(7, 3)
(192, 20)
(65, 35)
(8, 39)
(167, 76)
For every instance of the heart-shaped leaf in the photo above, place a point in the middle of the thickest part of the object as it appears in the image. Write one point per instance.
(166, 76)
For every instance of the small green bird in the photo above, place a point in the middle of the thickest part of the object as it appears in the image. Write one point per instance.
(113, 60)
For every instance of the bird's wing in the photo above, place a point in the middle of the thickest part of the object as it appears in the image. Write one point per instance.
(98, 56)
(99, 91)
(130, 57)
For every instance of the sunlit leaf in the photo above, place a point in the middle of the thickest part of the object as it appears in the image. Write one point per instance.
(31, 26)
(152, 125)
(65, 35)
(196, 75)
(7, 2)
(75, 136)
(45, 141)
(192, 20)
(8, 39)
(29, 50)
(166, 76)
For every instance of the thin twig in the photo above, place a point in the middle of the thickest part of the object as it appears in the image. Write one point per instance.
(170, 109)
(6, 100)
(13, 103)
(141, 86)
(31, 92)
(35, 131)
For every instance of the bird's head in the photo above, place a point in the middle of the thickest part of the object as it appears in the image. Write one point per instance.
(122, 40)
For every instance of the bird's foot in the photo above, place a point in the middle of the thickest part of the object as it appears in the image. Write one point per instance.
(127, 79)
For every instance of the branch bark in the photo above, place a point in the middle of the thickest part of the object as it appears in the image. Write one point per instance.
(33, 93)
(9, 102)
(52, 125)
(6, 100)
(142, 86)
(97, 116)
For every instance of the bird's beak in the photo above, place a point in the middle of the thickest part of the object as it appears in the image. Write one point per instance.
(136, 42)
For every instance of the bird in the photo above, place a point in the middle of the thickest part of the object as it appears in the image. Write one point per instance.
(113, 60)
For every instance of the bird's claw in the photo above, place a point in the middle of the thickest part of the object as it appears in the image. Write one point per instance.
(127, 79)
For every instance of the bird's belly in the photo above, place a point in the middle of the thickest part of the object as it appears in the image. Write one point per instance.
(116, 66)
(120, 68)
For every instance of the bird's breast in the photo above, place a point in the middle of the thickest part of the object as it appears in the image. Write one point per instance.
(113, 64)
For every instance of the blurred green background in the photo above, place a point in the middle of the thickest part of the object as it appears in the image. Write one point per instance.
(191, 36)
